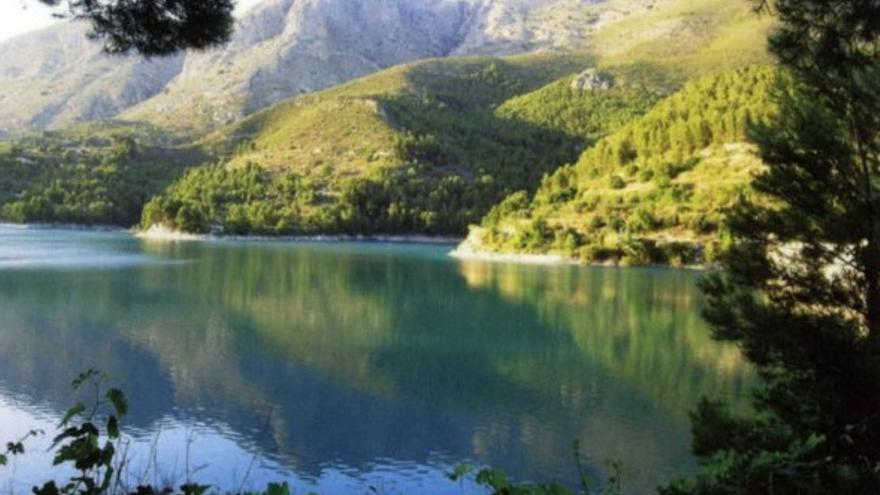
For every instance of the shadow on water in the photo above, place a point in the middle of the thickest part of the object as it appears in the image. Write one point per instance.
(365, 357)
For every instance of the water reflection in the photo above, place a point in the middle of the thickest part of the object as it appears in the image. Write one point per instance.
(338, 366)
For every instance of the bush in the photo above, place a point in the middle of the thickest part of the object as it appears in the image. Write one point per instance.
(616, 182)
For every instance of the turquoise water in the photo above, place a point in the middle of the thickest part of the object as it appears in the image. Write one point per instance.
(340, 367)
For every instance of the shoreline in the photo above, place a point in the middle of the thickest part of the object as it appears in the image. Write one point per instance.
(466, 252)
(524, 259)
(64, 226)
(471, 249)
(163, 234)
(463, 250)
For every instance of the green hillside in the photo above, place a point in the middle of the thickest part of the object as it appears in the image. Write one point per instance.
(427, 148)
(652, 192)
(97, 173)
(678, 40)
(585, 114)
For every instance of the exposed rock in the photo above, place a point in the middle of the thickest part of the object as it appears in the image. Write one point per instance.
(593, 80)
(56, 76)
(281, 48)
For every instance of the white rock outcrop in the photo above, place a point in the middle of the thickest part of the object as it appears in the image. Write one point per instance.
(593, 80)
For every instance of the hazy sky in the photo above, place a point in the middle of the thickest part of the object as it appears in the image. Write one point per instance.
(20, 16)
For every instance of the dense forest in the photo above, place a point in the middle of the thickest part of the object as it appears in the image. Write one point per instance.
(452, 142)
(652, 192)
(97, 174)
(456, 150)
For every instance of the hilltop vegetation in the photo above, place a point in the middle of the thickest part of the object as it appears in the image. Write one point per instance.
(425, 148)
(679, 40)
(279, 49)
(585, 114)
(652, 192)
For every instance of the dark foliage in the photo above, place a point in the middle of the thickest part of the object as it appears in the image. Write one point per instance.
(801, 287)
(154, 27)
(451, 162)
(92, 179)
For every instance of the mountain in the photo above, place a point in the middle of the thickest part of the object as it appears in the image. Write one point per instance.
(281, 48)
(426, 147)
(56, 76)
(430, 147)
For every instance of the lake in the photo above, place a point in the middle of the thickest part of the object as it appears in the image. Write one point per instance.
(344, 366)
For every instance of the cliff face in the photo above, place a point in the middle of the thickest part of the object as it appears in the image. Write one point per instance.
(56, 76)
(281, 48)
(287, 47)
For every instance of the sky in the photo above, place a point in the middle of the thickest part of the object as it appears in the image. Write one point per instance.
(21, 16)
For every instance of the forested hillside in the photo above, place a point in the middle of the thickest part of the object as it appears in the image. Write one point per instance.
(581, 113)
(99, 173)
(431, 147)
(652, 192)
(422, 148)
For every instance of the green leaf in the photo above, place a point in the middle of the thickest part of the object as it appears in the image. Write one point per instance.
(119, 401)
(76, 410)
(494, 479)
(68, 433)
(3, 460)
(48, 489)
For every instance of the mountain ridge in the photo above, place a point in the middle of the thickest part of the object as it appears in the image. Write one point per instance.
(281, 48)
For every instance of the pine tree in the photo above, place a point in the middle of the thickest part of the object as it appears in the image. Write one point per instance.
(153, 27)
(800, 290)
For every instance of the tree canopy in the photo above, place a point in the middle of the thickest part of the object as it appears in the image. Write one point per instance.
(153, 27)
(801, 289)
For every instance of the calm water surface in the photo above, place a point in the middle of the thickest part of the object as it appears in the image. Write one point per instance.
(341, 367)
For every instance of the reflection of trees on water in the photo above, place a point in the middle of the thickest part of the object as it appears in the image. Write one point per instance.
(363, 353)
(643, 324)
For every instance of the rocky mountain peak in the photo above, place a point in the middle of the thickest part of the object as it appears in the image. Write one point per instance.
(281, 48)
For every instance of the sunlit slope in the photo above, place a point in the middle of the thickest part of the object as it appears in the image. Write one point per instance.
(422, 148)
(679, 39)
(654, 191)
(357, 125)
(583, 114)
(284, 48)
(657, 47)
